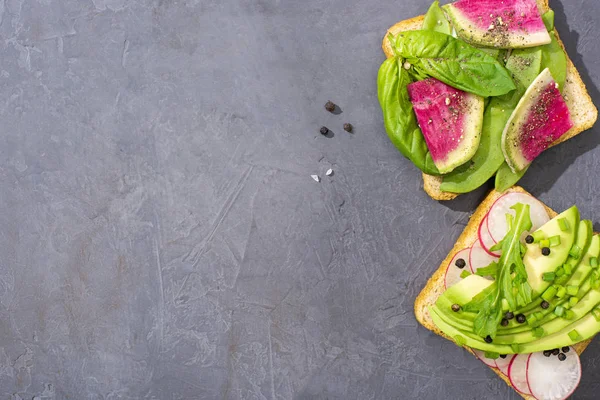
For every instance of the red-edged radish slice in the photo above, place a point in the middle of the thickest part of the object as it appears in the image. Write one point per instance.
(487, 361)
(496, 220)
(517, 373)
(485, 238)
(453, 272)
(552, 379)
(503, 363)
(479, 258)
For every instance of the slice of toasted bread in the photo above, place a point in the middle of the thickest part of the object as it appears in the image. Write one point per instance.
(435, 285)
(583, 110)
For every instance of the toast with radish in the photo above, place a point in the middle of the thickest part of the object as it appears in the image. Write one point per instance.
(540, 373)
(583, 114)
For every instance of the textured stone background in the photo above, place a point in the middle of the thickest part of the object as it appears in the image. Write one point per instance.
(161, 237)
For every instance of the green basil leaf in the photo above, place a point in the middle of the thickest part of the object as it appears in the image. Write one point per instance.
(398, 115)
(454, 62)
(435, 20)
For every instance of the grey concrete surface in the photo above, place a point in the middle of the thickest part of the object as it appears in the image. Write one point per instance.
(161, 236)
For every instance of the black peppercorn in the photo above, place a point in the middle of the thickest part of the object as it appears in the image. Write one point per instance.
(562, 357)
(566, 349)
(509, 315)
(521, 318)
(502, 355)
(348, 127)
(546, 251)
(324, 130)
(529, 239)
(504, 322)
(545, 304)
(330, 106)
(547, 353)
(488, 339)
(460, 263)
(555, 352)
(455, 307)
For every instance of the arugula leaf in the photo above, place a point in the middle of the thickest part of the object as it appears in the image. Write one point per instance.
(454, 62)
(511, 278)
(435, 20)
(490, 270)
(398, 116)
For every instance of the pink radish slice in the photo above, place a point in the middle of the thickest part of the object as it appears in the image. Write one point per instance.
(517, 373)
(479, 258)
(487, 361)
(552, 379)
(503, 363)
(485, 238)
(496, 220)
(453, 272)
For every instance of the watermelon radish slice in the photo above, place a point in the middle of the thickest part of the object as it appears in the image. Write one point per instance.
(485, 238)
(517, 373)
(487, 361)
(552, 379)
(479, 258)
(540, 118)
(453, 272)
(450, 120)
(505, 24)
(503, 363)
(496, 221)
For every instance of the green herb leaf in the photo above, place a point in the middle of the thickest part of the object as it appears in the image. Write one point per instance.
(435, 20)
(399, 119)
(511, 278)
(454, 62)
(548, 18)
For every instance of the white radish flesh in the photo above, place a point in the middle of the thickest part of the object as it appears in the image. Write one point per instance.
(503, 363)
(485, 238)
(496, 220)
(479, 258)
(490, 362)
(453, 272)
(552, 379)
(517, 373)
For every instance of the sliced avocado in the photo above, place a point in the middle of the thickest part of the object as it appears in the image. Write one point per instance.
(585, 328)
(536, 263)
(584, 268)
(461, 293)
(465, 339)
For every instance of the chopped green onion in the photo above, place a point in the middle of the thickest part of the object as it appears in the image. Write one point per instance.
(596, 313)
(464, 274)
(595, 284)
(538, 332)
(574, 335)
(569, 314)
(549, 293)
(593, 262)
(573, 301)
(563, 223)
(561, 292)
(548, 276)
(537, 236)
(538, 315)
(559, 311)
(554, 241)
(575, 251)
(560, 271)
(562, 280)
(531, 320)
(505, 305)
(572, 290)
(492, 355)
(545, 243)
(460, 340)
(568, 268)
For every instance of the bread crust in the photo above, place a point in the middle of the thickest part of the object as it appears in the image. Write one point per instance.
(435, 286)
(583, 111)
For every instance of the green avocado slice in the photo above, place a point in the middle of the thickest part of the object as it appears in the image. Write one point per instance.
(536, 263)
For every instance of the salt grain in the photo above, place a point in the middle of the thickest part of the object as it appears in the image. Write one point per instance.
(447, 101)
(329, 172)
(316, 178)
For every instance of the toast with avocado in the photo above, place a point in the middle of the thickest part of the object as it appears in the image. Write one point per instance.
(462, 86)
(521, 291)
